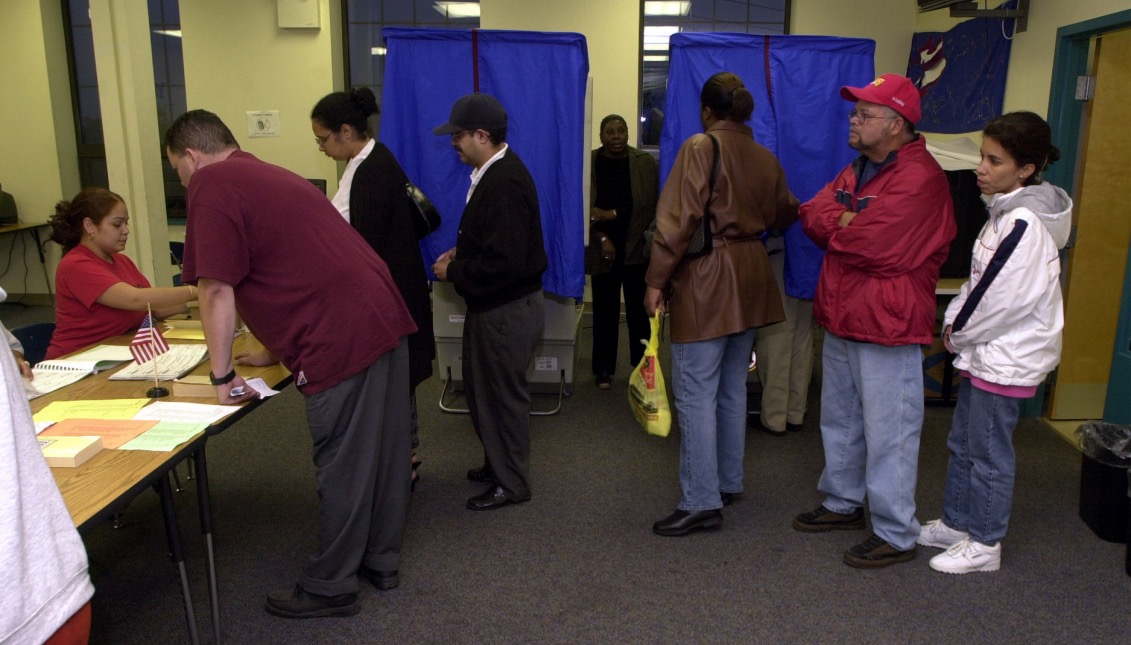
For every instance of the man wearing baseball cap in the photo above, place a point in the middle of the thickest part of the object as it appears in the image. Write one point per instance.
(885, 223)
(497, 266)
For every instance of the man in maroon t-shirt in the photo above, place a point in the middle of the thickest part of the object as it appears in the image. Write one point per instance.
(264, 241)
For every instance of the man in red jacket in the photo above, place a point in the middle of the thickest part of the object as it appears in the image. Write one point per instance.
(885, 223)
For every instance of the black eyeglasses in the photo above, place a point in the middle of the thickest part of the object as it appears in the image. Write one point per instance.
(456, 136)
(864, 116)
(321, 141)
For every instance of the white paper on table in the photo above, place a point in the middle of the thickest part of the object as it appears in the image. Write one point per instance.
(259, 385)
(40, 426)
(186, 412)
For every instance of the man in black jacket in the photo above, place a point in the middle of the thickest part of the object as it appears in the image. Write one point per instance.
(497, 267)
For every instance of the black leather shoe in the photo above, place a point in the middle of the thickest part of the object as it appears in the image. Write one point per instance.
(494, 497)
(482, 474)
(684, 522)
(382, 580)
(729, 498)
(299, 603)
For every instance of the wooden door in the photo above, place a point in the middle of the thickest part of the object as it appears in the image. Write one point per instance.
(1103, 231)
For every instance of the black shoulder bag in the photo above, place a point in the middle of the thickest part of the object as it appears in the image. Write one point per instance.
(701, 242)
(425, 217)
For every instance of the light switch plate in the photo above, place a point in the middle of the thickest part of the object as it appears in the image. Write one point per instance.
(264, 123)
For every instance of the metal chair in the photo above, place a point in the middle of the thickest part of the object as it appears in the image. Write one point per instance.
(35, 338)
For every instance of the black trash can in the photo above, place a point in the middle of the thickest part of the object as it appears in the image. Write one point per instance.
(1104, 470)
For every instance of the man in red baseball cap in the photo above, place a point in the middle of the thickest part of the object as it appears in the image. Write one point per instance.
(885, 223)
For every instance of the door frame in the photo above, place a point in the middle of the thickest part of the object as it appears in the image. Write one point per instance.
(1065, 116)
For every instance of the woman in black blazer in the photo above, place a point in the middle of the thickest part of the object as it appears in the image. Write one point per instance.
(371, 196)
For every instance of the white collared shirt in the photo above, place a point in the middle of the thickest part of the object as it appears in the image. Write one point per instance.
(476, 173)
(342, 197)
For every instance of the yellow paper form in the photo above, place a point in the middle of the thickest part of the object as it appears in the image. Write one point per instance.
(184, 334)
(93, 409)
(114, 433)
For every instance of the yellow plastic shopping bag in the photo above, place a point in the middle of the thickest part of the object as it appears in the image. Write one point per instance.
(646, 392)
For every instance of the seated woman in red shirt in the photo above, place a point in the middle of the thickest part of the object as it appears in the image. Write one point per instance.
(100, 292)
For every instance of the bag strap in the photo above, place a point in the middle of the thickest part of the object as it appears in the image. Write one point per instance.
(714, 173)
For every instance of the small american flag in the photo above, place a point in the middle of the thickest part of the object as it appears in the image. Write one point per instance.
(148, 343)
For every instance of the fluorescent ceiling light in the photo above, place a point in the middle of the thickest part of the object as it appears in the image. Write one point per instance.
(378, 51)
(457, 9)
(658, 35)
(655, 59)
(656, 47)
(666, 8)
(175, 33)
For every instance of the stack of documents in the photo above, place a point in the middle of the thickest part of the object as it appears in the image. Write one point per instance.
(178, 361)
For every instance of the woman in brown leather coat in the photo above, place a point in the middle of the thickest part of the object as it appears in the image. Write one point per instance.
(716, 300)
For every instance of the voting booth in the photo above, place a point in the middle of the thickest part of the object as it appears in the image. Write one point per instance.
(555, 357)
(540, 78)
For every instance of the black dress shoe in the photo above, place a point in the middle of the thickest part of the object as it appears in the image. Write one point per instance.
(382, 580)
(684, 522)
(494, 497)
(299, 603)
(482, 474)
(729, 498)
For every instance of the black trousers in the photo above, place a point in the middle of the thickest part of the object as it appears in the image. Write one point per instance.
(606, 315)
(498, 346)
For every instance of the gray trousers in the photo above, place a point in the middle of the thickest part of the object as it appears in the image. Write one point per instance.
(497, 348)
(360, 429)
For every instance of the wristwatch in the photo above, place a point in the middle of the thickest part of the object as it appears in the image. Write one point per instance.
(223, 380)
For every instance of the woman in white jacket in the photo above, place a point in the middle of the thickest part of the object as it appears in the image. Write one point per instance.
(1005, 327)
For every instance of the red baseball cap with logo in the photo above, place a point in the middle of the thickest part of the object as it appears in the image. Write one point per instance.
(895, 91)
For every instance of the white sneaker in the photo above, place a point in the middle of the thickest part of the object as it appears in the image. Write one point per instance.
(968, 556)
(937, 534)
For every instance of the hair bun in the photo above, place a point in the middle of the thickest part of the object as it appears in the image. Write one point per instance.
(364, 97)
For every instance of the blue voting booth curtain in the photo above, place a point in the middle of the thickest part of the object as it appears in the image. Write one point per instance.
(798, 112)
(540, 79)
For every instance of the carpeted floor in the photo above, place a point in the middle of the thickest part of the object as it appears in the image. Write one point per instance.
(579, 563)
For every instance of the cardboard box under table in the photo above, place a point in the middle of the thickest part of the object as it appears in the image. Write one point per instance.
(551, 370)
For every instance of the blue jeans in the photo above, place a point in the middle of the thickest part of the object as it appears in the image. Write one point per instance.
(871, 420)
(979, 476)
(709, 381)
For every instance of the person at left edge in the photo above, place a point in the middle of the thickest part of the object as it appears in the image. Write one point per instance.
(264, 240)
(497, 267)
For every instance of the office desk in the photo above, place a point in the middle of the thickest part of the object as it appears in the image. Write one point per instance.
(111, 479)
(33, 230)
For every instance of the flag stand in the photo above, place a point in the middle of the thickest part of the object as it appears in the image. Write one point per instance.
(156, 391)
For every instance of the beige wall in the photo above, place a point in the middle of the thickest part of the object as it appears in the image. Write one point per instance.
(612, 33)
(238, 60)
(38, 159)
(889, 22)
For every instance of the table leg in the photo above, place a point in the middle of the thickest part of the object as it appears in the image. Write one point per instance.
(176, 552)
(205, 504)
(42, 260)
